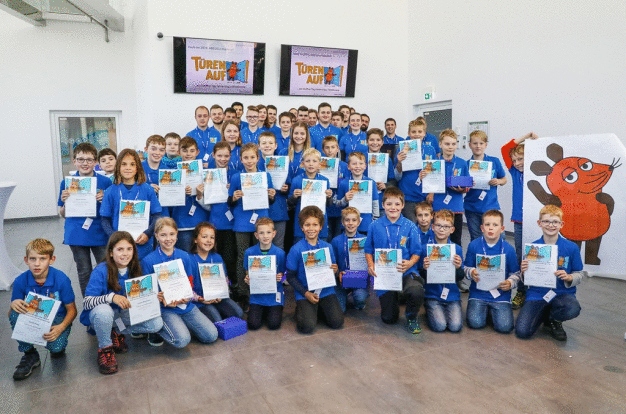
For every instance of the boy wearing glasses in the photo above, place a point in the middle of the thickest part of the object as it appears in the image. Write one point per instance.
(85, 235)
(552, 306)
(250, 133)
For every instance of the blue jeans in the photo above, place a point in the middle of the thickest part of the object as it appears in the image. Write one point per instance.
(359, 296)
(57, 345)
(474, 220)
(533, 313)
(442, 315)
(82, 258)
(102, 319)
(184, 240)
(177, 329)
(222, 310)
(521, 287)
(501, 315)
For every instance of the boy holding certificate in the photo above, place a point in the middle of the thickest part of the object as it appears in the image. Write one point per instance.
(551, 305)
(311, 261)
(330, 146)
(84, 235)
(443, 262)
(265, 268)
(155, 150)
(359, 191)
(491, 264)
(43, 279)
(394, 231)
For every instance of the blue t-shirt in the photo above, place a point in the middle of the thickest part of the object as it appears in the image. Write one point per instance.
(267, 299)
(343, 172)
(296, 184)
(350, 143)
(74, 234)
(282, 143)
(99, 285)
(479, 246)
(189, 215)
(431, 140)
(517, 215)
(434, 290)
(170, 163)
(212, 257)
(454, 168)
(318, 133)
(206, 140)
(569, 260)
(242, 217)
(57, 286)
(152, 175)
(295, 263)
(249, 136)
(341, 248)
(394, 140)
(221, 215)
(409, 183)
(472, 201)
(366, 218)
(295, 165)
(278, 209)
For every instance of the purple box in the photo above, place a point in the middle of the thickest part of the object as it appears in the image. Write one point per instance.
(231, 327)
(355, 279)
(459, 181)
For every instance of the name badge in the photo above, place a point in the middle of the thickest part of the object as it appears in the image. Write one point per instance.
(495, 293)
(549, 296)
(482, 195)
(444, 293)
(229, 215)
(447, 199)
(253, 218)
(206, 157)
(278, 297)
(192, 210)
(87, 223)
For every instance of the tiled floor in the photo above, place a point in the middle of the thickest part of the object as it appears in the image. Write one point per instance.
(365, 367)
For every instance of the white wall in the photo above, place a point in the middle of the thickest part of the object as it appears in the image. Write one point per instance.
(557, 67)
(63, 66)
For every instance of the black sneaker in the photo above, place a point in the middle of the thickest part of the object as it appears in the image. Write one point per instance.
(556, 330)
(30, 360)
(155, 339)
(57, 355)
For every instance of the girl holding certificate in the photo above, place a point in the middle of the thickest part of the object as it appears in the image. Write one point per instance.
(300, 142)
(181, 317)
(105, 301)
(130, 203)
(204, 250)
(232, 136)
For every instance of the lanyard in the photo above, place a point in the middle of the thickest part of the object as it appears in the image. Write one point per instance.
(122, 197)
(395, 240)
(484, 244)
(164, 256)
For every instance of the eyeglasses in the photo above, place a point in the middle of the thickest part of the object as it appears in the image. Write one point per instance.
(252, 117)
(553, 223)
(442, 226)
(85, 160)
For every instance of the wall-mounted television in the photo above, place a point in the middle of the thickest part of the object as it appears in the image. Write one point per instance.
(218, 66)
(317, 71)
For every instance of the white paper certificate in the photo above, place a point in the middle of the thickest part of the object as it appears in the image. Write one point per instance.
(435, 179)
(329, 168)
(262, 272)
(214, 283)
(542, 263)
(491, 271)
(481, 173)
(413, 149)
(215, 186)
(171, 188)
(378, 167)
(317, 269)
(362, 198)
(142, 295)
(356, 254)
(134, 217)
(314, 194)
(32, 325)
(441, 269)
(254, 188)
(82, 199)
(385, 266)
(277, 166)
(173, 280)
(192, 171)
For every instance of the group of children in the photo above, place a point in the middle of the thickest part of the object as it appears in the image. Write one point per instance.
(396, 214)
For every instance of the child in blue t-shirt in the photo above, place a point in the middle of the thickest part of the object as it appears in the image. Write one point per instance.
(232, 136)
(265, 305)
(155, 150)
(303, 254)
(106, 163)
(283, 135)
(250, 133)
(552, 306)
(354, 139)
(172, 151)
(45, 280)
(205, 137)
(84, 235)
(300, 142)
(330, 146)
(477, 201)
(491, 253)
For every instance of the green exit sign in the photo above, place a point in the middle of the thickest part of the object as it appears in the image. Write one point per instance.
(427, 96)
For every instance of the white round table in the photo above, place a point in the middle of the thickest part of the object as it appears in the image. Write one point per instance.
(8, 271)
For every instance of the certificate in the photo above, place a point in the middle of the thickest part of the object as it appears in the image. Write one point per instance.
(317, 269)
(329, 168)
(173, 280)
(277, 166)
(356, 254)
(215, 186)
(82, 199)
(262, 272)
(254, 188)
(378, 167)
(385, 265)
(441, 269)
(214, 283)
(192, 172)
(134, 216)
(542, 263)
(313, 194)
(413, 149)
(37, 321)
(171, 188)
(142, 295)
(362, 195)
(435, 179)
(481, 173)
(491, 271)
